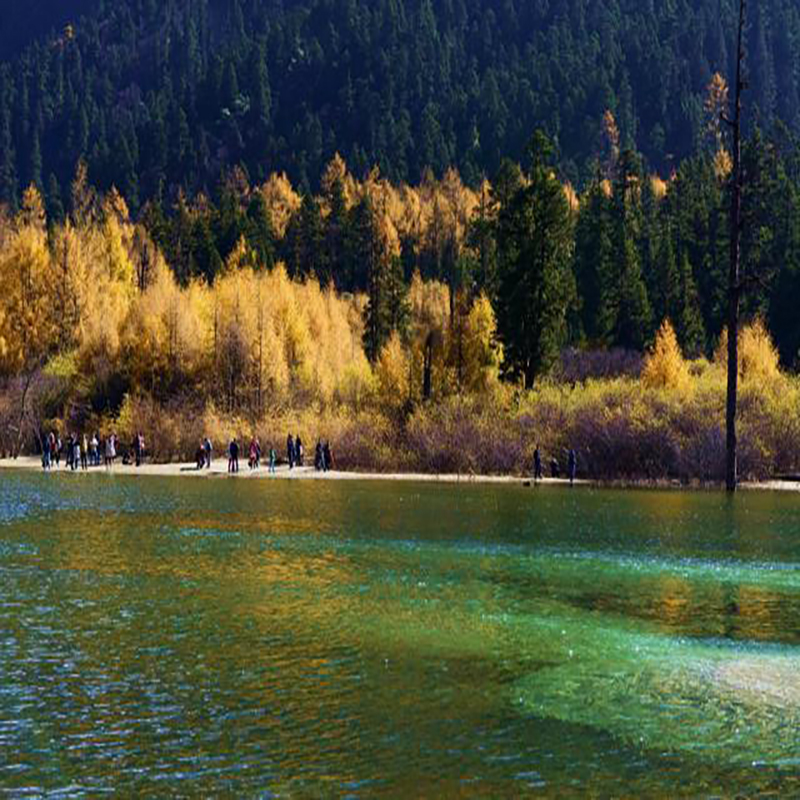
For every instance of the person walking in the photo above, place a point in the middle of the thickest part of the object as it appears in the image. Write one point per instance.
(233, 456)
(538, 474)
(273, 457)
(69, 448)
(290, 451)
(209, 451)
(318, 459)
(572, 466)
(46, 453)
(111, 450)
(76, 453)
(94, 450)
(298, 451)
(327, 457)
(85, 452)
(57, 451)
(139, 449)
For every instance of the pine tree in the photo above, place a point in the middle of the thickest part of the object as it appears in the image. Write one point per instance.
(8, 169)
(335, 233)
(536, 285)
(259, 232)
(594, 261)
(691, 331)
(305, 237)
(627, 317)
(377, 321)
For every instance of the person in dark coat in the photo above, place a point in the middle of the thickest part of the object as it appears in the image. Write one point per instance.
(200, 455)
(537, 464)
(555, 469)
(233, 456)
(572, 466)
(318, 460)
(46, 453)
(290, 450)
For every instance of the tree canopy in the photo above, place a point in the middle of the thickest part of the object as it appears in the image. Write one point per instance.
(159, 97)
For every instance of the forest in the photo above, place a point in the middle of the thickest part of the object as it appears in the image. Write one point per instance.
(436, 233)
(429, 326)
(159, 96)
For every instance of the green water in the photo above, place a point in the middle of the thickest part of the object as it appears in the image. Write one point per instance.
(303, 639)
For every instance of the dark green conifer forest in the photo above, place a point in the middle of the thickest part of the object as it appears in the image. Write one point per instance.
(185, 105)
(161, 94)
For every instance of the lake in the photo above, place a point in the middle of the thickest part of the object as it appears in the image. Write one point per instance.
(277, 638)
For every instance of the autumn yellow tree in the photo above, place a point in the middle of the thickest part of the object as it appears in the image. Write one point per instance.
(664, 366)
(759, 362)
(483, 355)
(28, 334)
(392, 373)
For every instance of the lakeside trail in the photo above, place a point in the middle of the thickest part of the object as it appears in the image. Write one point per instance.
(220, 470)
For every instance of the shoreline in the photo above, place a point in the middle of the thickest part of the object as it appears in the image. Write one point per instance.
(219, 470)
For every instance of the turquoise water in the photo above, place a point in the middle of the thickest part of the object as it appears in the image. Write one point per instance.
(174, 636)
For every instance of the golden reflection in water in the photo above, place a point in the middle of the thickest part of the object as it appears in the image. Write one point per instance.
(759, 613)
(318, 630)
(674, 598)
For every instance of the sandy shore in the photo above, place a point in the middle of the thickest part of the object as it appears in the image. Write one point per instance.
(219, 469)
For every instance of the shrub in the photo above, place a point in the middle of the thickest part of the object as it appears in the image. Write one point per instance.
(577, 366)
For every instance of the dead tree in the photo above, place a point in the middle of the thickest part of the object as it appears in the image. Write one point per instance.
(734, 274)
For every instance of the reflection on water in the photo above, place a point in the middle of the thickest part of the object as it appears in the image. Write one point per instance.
(215, 637)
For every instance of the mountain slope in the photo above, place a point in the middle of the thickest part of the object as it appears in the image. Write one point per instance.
(163, 94)
(21, 23)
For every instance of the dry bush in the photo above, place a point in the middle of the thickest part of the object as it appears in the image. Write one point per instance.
(464, 434)
(577, 366)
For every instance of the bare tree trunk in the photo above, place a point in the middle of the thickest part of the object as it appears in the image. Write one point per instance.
(734, 277)
(22, 412)
(427, 369)
(260, 383)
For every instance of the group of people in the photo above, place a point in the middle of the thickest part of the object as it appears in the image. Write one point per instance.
(254, 456)
(81, 452)
(323, 457)
(204, 454)
(295, 455)
(555, 467)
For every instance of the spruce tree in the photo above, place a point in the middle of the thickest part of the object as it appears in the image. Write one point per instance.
(628, 317)
(689, 321)
(536, 283)
(593, 262)
(377, 325)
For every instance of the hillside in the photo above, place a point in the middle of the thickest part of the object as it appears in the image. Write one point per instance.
(23, 23)
(161, 95)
